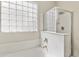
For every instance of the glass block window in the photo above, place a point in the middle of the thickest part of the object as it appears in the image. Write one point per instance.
(18, 16)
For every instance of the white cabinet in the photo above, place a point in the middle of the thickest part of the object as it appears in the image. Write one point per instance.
(56, 45)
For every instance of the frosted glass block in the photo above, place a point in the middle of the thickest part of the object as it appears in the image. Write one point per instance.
(30, 14)
(34, 15)
(19, 12)
(25, 19)
(19, 29)
(13, 20)
(13, 6)
(4, 17)
(33, 22)
(30, 23)
(5, 4)
(4, 22)
(19, 23)
(13, 1)
(12, 17)
(13, 12)
(12, 28)
(33, 19)
(30, 5)
(22, 20)
(34, 6)
(25, 23)
(30, 9)
(13, 23)
(30, 28)
(24, 14)
(35, 25)
(25, 29)
(19, 7)
(34, 10)
(30, 19)
(19, 2)
(19, 18)
(25, 8)
(24, 3)
(4, 28)
(4, 10)
(35, 29)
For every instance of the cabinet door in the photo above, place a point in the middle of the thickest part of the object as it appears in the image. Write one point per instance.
(56, 46)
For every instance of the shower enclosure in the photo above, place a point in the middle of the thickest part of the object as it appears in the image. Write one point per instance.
(57, 29)
(57, 20)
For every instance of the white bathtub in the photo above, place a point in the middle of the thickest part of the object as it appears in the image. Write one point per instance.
(26, 48)
(32, 52)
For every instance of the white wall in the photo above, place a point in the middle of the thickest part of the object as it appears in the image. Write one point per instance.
(73, 6)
